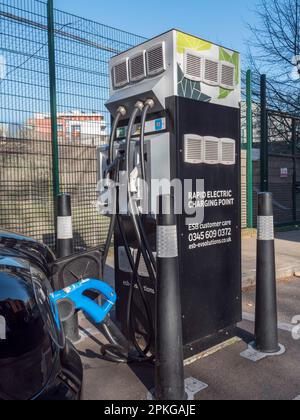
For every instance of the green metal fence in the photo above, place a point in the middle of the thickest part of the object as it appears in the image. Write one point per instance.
(273, 150)
(82, 50)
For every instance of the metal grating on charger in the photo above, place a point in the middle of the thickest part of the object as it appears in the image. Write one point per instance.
(193, 66)
(211, 72)
(211, 150)
(228, 152)
(137, 68)
(155, 58)
(120, 74)
(193, 149)
(227, 76)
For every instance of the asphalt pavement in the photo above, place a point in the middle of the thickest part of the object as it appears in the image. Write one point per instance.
(227, 374)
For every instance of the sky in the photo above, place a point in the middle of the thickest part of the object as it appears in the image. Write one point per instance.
(219, 21)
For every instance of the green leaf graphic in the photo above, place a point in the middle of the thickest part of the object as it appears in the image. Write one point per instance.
(190, 89)
(225, 56)
(224, 93)
(185, 41)
(236, 62)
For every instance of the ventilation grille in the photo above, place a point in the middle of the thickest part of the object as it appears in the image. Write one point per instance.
(193, 147)
(211, 150)
(137, 68)
(156, 60)
(228, 156)
(211, 72)
(193, 66)
(120, 75)
(227, 76)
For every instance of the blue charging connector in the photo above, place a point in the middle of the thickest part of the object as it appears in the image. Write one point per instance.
(75, 295)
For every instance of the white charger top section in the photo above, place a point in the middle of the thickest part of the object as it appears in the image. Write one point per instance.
(175, 64)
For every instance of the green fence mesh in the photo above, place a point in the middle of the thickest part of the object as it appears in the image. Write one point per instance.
(83, 49)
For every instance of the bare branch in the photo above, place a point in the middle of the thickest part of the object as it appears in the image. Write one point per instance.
(274, 49)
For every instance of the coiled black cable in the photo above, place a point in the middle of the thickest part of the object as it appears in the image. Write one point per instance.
(121, 112)
(149, 104)
(131, 204)
(115, 351)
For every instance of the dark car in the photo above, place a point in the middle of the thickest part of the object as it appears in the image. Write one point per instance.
(36, 362)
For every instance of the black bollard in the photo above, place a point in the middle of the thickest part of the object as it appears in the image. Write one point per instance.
(64, 244)
(266, 319)
(65, 248)
(169, 346)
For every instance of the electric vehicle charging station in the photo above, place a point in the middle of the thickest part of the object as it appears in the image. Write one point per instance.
(175, 106)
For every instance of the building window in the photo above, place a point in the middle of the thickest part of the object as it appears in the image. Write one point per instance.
(76, 131)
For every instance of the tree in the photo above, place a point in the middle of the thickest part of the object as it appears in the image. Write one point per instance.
(274, 49)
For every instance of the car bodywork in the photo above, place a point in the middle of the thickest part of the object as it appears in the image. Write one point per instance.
(36, 362)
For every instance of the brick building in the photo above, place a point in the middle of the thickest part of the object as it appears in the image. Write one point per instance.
(89, 129)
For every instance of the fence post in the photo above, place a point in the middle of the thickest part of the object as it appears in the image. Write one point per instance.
(264, 152)
(249, 152)
(53, 103)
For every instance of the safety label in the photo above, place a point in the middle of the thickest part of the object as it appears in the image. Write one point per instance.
(209, 234)
(153, 126)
